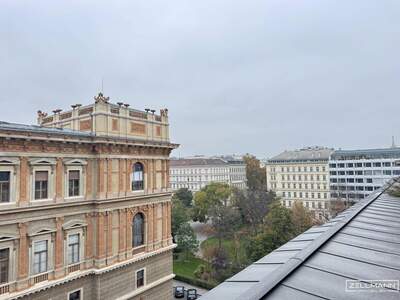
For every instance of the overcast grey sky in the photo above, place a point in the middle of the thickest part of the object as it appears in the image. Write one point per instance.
(237, 76)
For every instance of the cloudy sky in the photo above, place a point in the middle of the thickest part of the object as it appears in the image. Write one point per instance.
(237, 76)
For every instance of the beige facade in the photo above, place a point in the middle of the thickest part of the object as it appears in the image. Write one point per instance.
(85, 213)
(302, 175)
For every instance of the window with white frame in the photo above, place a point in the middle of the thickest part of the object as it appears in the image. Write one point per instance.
(40, 257)
(137, 177)
(5, 186)
(75, 295)
(140, 278)
(4, 265)
(73, 248)
(73, 183)
(41, 185)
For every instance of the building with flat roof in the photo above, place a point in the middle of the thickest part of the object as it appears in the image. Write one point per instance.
(354, 174)
(85, 209)
(302, 175)
(197, 172)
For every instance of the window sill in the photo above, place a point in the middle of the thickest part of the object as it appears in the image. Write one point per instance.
(74, 198)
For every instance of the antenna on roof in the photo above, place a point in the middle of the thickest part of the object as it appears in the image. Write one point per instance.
(102, 84)
(393, 143)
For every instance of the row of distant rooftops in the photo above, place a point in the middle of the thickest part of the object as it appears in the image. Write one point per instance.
(324, 154)
(101, 104)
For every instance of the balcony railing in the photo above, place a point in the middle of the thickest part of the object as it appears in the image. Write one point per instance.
(4, 289)
(40, 278)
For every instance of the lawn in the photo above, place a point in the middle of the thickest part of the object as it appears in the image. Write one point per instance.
(229, 246)
(186, 268)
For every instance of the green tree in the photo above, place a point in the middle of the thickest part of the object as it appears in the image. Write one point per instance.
(185, 195)
(186, 239)
(253, 206)
(225, 221)
(212, 195)
(278, 229)
(180, 215)
(255, 174)
(301, 218)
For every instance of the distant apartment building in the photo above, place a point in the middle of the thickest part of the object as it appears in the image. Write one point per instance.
(354, 174)
(302, 175)
(85, 210)
(196, 173)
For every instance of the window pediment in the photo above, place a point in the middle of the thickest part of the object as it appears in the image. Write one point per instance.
(75, 162)
(9, 161)
(42, 161)
(7, 237)
(42, 230)
(73, 224)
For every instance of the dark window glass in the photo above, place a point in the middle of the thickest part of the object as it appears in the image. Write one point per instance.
(73, 183)
(137, 180)
(4, 186)
(41, 184)
(140, 278)
(138, 230)
(75, 295)
(4, 265)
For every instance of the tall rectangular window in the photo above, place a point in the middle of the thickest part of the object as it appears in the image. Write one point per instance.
(73, 183)
(41, 184)
(40, 257)
(4, 265)
(73, 249)
(139, 278)
(4, 187)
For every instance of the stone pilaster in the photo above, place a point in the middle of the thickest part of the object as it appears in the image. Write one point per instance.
(59, 249)
(122, 235)
(89, 240)
(59, 180)
(100, 240)
(121, 180)
(24, 179)
(100, 179)
(150, 225)
(89, 180)
(164, 223)
(154, 170)
(109, 237)
(169, 237)
(129, 219)
(109, 177)
(23, 257)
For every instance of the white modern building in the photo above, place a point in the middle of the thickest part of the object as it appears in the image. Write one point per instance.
(354, 174)
(195, 173)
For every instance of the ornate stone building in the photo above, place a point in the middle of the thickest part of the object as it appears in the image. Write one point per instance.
(85, 208)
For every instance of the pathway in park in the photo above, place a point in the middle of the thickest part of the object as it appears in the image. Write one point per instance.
(202, 233)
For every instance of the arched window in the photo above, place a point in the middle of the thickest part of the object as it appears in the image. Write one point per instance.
(138, 230)
(137, 178)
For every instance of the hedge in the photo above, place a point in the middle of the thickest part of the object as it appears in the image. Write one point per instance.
(195, 282)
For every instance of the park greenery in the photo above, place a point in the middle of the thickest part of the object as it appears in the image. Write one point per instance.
(245, 225)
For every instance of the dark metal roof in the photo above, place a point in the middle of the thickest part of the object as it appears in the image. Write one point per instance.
(362, 243)
(191, 162)
(305, 154)
(41, 129)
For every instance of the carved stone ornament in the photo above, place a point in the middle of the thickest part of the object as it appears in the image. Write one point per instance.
(101, 99)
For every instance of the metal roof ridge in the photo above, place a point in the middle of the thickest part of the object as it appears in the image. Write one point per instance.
(268, 283)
